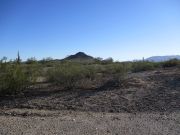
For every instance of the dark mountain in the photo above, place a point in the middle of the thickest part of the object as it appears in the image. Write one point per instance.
(163, 58)
(79, 56)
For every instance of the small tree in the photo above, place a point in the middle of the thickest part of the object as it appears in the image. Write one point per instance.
(98, 60)
(108, 60)
(4, 59)
(31, 60)
(46, 60)
(171, 63)
(3, 64)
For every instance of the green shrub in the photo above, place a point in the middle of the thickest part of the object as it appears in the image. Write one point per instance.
(33, 70)
(69, 74)
(115, 68)
(48, 62)
(89, 72)
(171, 63)
(15, 77)
(107, 61)
(31, 60)
(13, 80)
(3, 67)
(143, 66)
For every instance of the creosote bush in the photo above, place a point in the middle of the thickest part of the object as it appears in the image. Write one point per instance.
(13, 80)
(143, 66)
(15, 77)
(69, 74)
(31, 60)
(117, 68)
(171, 63)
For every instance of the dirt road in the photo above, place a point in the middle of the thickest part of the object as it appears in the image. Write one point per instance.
(33, 122)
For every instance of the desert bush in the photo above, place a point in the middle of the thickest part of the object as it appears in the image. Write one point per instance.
(115, 68)
(13, 80)
(89, 72)
(98, 60)
(33, 71)
(31, 60)
(75, 75)
(69, 74)
(143, 66)
(3, 64)
(97, 68)
(15, 77)
(120, 71)
(2, 67)
(116, 71)
(107, 61)
(48, 62)
(171, 63)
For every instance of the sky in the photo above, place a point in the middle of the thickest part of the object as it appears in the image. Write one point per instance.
(121, 29)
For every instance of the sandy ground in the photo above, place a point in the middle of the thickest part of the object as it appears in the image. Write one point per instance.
(33, 122)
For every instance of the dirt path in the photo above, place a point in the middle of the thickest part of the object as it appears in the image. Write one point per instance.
(33, 122)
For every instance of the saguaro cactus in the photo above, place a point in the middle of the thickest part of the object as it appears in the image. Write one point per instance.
(18, 58)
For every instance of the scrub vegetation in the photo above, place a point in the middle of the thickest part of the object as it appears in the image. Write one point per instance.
(17, 76)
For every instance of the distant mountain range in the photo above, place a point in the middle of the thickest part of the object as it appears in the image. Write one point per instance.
(82, 57)
(163, 58)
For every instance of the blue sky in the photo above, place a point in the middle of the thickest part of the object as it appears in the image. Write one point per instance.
(122, 29)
